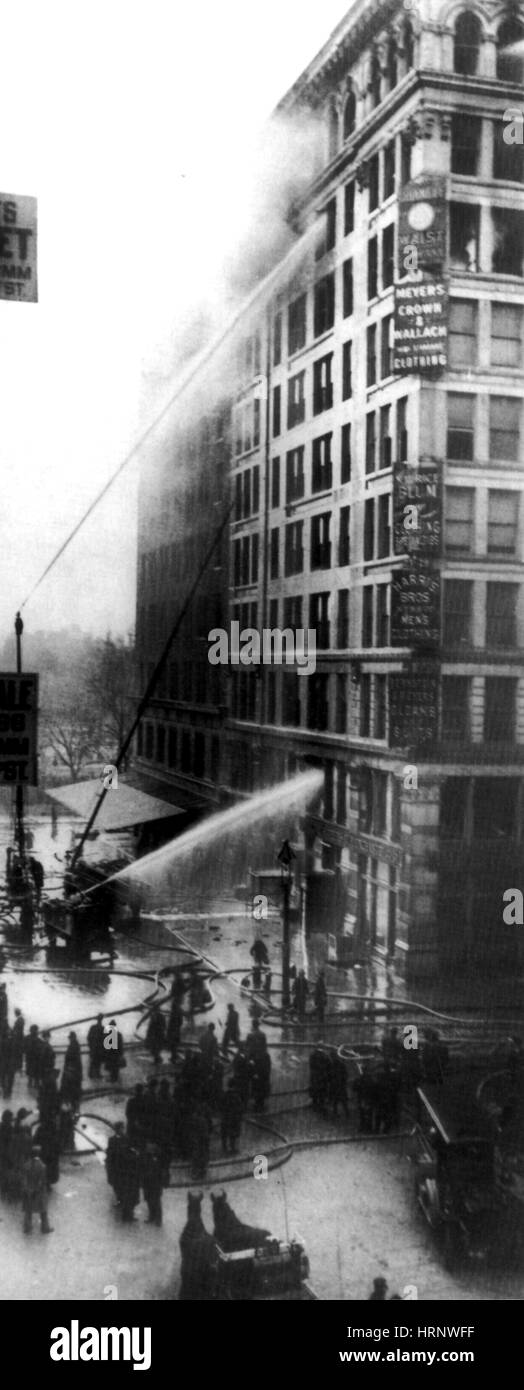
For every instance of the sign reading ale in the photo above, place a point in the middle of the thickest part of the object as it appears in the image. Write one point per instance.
(18, 728)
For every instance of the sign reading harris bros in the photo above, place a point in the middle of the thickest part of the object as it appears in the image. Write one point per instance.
(18, 219)
(420, 325)
(18, 728)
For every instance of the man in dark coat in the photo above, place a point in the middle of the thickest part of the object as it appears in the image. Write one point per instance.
(339, 1092)
(198, 1135)
(260, 956)
(135, 1115)
(156, 1034)
(152, 1184)
(114, 1052)
(174, 1027)
(320, 996)
(241, 1075)
(48, 1097)
(319, 1079)
(32, 1056)
(300, 994)
(71, 1085)
(231, 1119)
(46, 1054)
(95, 1043)
(18, 1040)
(231, 1036)
(3, 1004)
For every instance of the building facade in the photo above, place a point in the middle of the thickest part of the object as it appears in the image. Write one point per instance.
(371, 442)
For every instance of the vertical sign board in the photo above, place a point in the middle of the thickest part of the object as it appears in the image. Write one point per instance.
(413, 705)
(18, 218)
(18, 728)
(415, 606)
(420, 325)
(422, 224)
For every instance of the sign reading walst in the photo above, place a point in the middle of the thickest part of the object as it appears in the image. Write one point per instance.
(422, 224)
(18, 227)
(18, 728)
(420, 325)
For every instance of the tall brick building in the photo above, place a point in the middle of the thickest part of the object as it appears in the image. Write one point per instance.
(365, 415)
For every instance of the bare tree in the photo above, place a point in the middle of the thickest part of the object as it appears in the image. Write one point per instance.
(110, 684)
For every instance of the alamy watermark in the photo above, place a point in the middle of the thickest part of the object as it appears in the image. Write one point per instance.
(273, 646)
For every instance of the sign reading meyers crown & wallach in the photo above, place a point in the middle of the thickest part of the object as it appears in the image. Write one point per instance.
(420, 325)
(18, 227)
(18, 728)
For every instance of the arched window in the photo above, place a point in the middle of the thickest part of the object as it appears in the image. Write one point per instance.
(392, 65)
(409, 45)
(332, 130)
(350, 111)
(374, 79)
(466, 44)
(510, 64)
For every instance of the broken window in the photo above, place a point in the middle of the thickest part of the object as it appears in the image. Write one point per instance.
(464, 222)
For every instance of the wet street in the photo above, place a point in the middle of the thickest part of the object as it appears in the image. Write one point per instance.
(349, 1198)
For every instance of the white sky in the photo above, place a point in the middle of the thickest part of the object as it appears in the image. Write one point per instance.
(132, 122)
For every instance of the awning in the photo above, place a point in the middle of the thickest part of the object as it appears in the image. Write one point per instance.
(122, 807)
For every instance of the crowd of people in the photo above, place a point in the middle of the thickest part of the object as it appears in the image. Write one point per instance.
(382, 1083)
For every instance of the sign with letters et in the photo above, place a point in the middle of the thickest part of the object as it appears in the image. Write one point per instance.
(413, 705)
(18, 276)
(422, 224)
(18, 728)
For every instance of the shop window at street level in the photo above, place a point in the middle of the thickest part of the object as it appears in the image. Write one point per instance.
(454, 798)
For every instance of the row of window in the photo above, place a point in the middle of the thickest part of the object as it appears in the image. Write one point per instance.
(505, 333)
(462, 534)
(466, 150)
(320, 549)
(500, 614)
(464, 436)
(383, 78)
(488, 240)
(187, 750)
(321, 468)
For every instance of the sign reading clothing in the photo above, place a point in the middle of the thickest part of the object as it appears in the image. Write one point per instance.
(18, 728)
(421, 325)
(18, 248)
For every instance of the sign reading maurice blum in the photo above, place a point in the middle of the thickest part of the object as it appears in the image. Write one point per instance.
(18, 728)
(420, 325)
(18, 218)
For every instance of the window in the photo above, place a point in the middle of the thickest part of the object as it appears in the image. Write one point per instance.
(373, 183)
(388, 255)
(296, 400)
(350, 111)
(324, 305)
(294, 554)
(293, 612)
(459, 520)
(501, 615)
(160, 743)
(365, 706)
(319, 619)
(499, 709)
(384, 530)
(464, 221)
(385, 437)
(458, 594)
(254, 559)
(346, 371)
(318, 709)
(332, 130)
(275, 483)
(343, 618)
(347, 288)
(277, 340)
(455, 709)
(465, 143)
(295, 474)
(369, 528)
(320, 541)
(460, 442)
(504, 428)
(508, 160)
(466, 44)
(255, 489)
(509, 65)
(502, 522)
(343, 536)
(367, 616)
(273, 612)
(370, 442)
(246, 489)
(374, 78)
(409, 45)
(506, 335)
(322, 384)
(380, 727)
(349, 208)
(462, 332)
(322, 471)
(341, 717)
(402, 433)
(405, 158)
(372, 267)
(345, 454)
(276, 411)
(341, 812)
(386, 346)
(508, 230)
(274, 553)
(389, 170)
(382, 616)
(371, 352)
(296, 329)
(290, 698)
(238, 497)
